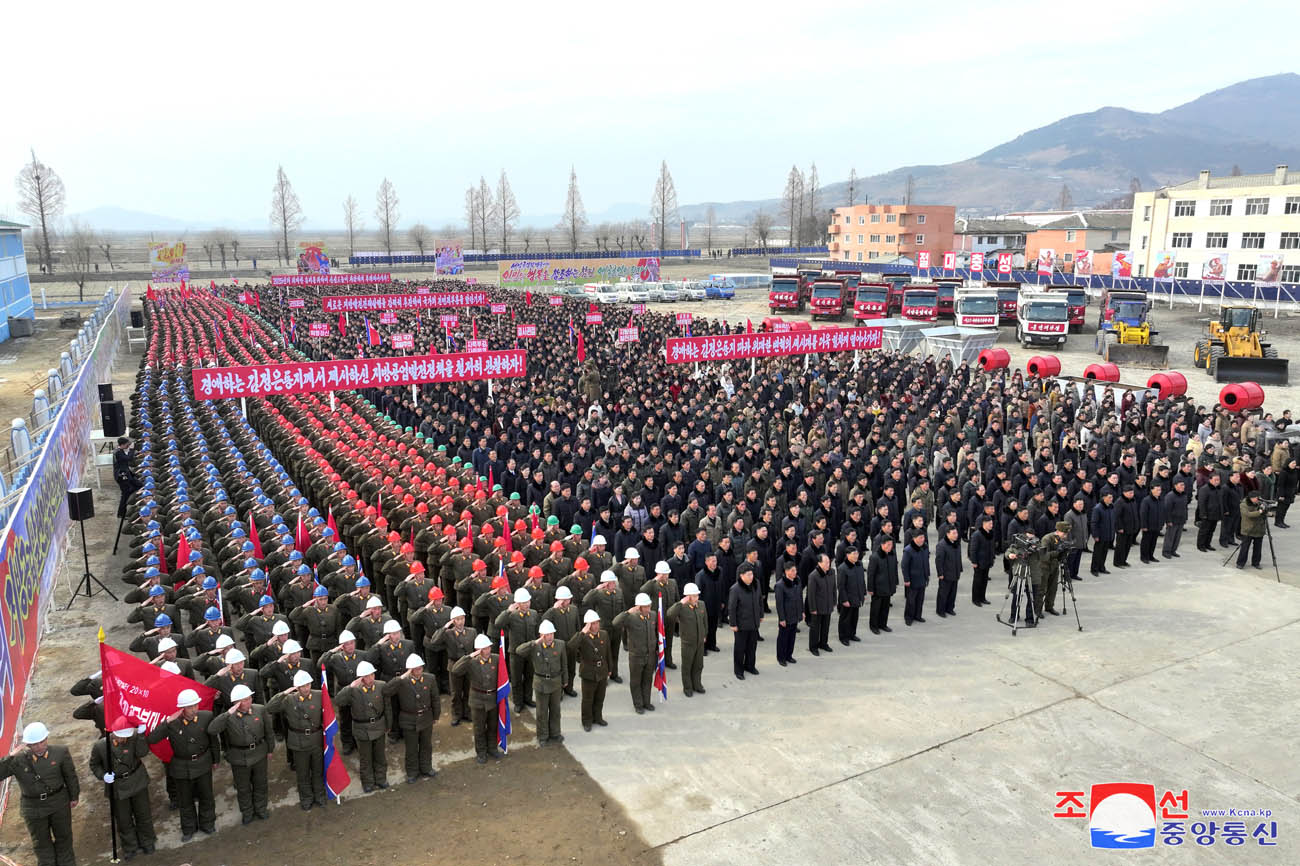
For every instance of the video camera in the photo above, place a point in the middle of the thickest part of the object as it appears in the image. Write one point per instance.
(1023, 545)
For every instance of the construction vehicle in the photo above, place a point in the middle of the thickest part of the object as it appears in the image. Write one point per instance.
(1110, 298)
(1008, 298)
(1128, 336)
(870, 301)
(921, 303)
(786, 293)
(1042, 317)
(1078, 299)
(829, 295)
(975, 308)
(1233, 352)
(897, 284)
(947, 295)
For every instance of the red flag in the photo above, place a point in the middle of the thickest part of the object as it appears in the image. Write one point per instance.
(212, 284)
(379, 506)
(144, 694)
(503, 700)
(150, 293)
(749, 327)
(473, 323)
(336, 775)
(661, 679)
(528, 299)
(342, 327)
(228, 313)
(255, 538)
(243, 326)
(630, 317)
(533, 516)
(491, 483)
(505, 530)
(162, 557)
(329, 521)
(582, 349)
(182, 552)
(301, 541)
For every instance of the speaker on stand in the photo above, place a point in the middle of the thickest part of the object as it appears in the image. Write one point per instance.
(81, 507)
(112, 416)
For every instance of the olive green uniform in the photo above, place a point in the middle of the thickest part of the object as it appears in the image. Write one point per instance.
(306, 740)
(550, 676)
(642, 634)
(592, 652)
(369, 728)
(195, 753)
(418, 707)
(692, 622)
(481, 673)
(249, 740)
(130, 789)
(49, 785)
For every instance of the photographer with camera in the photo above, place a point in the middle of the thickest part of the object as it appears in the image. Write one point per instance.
(1252, 530)
(1054, 547)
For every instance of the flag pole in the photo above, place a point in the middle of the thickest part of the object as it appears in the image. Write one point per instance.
(108, 761)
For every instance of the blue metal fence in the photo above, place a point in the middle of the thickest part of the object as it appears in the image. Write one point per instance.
(430, 258)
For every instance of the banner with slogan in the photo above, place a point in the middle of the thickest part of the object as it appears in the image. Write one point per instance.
(144, 694)
(923, 259)
(403, 341)
(318, 329)
(167, 262)
(449, 260)
(683, 319)
(312, 258)
(525, 331)
(498, 309)
(297, 303)
(530, 273)
(329, 279)
(476, 345)
(1004, 263)
(555, 300)
(735, 346)
(263, 380)
(449, 320)
(950, 261)
(977, 261)
(594, 318)
(388, 317)
(629, 335)
(350, 303)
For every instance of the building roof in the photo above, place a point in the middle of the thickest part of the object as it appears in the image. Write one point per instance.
(1104, 221)
(968, 226)
(1241, 180)
(5, 224)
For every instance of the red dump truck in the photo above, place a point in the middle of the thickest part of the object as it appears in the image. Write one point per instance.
(870, 301)
(829, 296)
(921, 303)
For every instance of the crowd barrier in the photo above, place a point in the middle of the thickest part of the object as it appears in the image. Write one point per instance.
(430, 258)
(35, 536)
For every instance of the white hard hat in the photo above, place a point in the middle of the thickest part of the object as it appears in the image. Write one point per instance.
(373, 601)
(166, 644)
(641, 599)
(290, 646)
(345, 636)
(224, 641)
(563, 593)
(280, 627)
(691, 589)
(36, 732)
(123, 732)
(608, 576)
(414, 661)
(590, 616)
(547, 627)
(234, 657)
(522, 595)
(661, 567)
(482, 642)
(239, 692)
(365, 669)
(632, 553)
(391, 626)
(170, 667)
(187, 698)
(455, 612)
(302, 678)
(599, 539)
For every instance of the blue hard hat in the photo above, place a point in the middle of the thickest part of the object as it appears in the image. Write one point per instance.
(320, 592)
(362, 581)
(257, 574)
(153, 560)
(294, 556)
(265, 600)
(312, 512)
(209, 583)
(156, 590)
(303, 569)
(151, 571)
(246, 547)
(286, 539)
(338, 545)
(161, 620)
(229, 509)
(211, 614)
(197, 570)
(317, 521)
(237, 532)
(250, 563)
(195, 555)
(348, 560)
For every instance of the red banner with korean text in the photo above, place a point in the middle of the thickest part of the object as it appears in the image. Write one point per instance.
(144, 694)
(735, 346)
(347, 303)
(330, 279)
(628, 335)
(524, 331)
(219, 383)
(403, 341)
(318, 329)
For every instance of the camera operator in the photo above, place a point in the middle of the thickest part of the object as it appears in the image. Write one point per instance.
(1054, 547)
(1252, 530)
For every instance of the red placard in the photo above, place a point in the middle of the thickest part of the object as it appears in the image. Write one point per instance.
(318, 329)
(556, 300)
(1004, 263)
(732, 347)
(330, 279)
(498, 309)
(628, 335)
(594, 319)
(683, 318)
(388, 318)
(449, 320)
(476, 346)
(297, 303)
(977, 261)
(422, 290)
(524, 331)
(403, 341)
(218, 383)
(923, 259)
(346, 303)
(638, 309)
(471, 281)
(950, 261)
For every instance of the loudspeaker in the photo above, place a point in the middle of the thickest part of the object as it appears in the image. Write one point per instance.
(137, 318)
(106, 393)
(113, 417)
(81, 503)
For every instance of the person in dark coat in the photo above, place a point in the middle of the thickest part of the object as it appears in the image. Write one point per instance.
(745, 612)
(789, 610)
(1151, 516)
(821, 601)
(1229, 528)
(1209, 511)
(882, 583)
(947, 567)
(1288, 480)
(982, 551)
(709, 580)
(1126, 525)
(916, 577)
(1174, 507)
(1101, 525)
(850, 593)
(1252, 521)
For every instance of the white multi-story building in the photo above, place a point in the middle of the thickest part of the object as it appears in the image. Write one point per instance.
(15, 286)
(1232, 222)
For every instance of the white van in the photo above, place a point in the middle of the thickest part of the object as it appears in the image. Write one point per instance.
(601, 293)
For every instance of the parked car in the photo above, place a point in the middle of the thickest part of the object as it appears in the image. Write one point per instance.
(719, 291)
(664, 292)
(692, 291)
(636, 293)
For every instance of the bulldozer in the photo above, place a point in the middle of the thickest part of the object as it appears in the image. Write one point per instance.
(1233, 352)
(1128, 337)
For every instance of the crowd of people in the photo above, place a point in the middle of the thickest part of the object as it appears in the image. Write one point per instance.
(397, 538)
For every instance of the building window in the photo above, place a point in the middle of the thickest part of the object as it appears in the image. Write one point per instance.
(1252, 240)
(1290, 274)
(1146, 213)
(902, 219)
(891, 218)
(920, 239)
(1114, 235)
(920, 219)
(1069, 257)
(889, 239)
(1069, 236)
(1142, 270)
(1144, 242)
(1290, 241)
(862, 220)
(859, 238)
(873, 255)
(1216, 240)
(875, 217)
(859, 256)
(875, 239)
(1246, 272)
(1292, 205)
(1220, 207)
(1181, 240)
(1256, 206)
(1184, 207)
(1180, 269)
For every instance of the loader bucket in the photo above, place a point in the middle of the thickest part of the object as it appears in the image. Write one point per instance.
(1155, 357)
(1265, 371)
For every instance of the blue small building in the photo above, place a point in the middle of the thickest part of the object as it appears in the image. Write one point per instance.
(15, 287)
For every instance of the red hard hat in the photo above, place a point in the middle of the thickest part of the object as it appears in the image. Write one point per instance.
(517, 556)
(450, 530)
(519, 524)
(466, 543)
(422, 508)
(487, 529)
(435, 593)
(538, 535)
(480, 565)
(406, 547)
(556, 547)
(535, 571)
(579, 564)
(408, 499)
(466, 515)
(499, 582)
(394, 536)
(417, 567)
(480, 494)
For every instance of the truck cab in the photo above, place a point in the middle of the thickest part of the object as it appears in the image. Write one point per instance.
(976, 308)
(870, 301)
(897, 283)
(1078, 301)
(921, 303)
(1111, 299)
(828, 297)
(1042, 318)
(1008, 299)
(947, 295)
(786, 293)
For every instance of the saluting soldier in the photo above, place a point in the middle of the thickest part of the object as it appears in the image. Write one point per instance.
(456, 641)
(549, 660)
(591, 646)
(692, 624)
(425, 621)
(50, 789)
(663, 588)
(369, 725)
(416, 695)
(119, 761)
(250, 739)
(640, 630)
(564, 616)
(300, 705)
(341, 665)
(195, 753)
(608, 601)
(479, 668)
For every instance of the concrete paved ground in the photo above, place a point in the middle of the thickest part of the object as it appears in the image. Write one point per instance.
(945, 743)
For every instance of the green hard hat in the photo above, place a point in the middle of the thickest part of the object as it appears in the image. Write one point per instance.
(442, 447)
(575, 529)
(514, 497)
(455, 461)
(496, 487)
(552, 521)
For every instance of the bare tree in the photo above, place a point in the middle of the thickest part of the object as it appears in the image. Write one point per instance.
(41, 196)
(486, 209)
(853, 185)
(387, 214)
(222, 240)
(210, 247)
(814, 228)
(793, 199)
(1063, 199)
(526, 235)
(710, 223)
(602, 234)
(353, 222)
(286, 210)
(420, 236)
(761, 226)
(79, 254)
(663, 207)
(507, 210)
(234, 248)
(575, 215)
(105, 244)
(471, 215)
(909, 189)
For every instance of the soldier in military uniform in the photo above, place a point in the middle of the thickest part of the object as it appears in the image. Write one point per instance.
(195, 753)
(456, 641)
(480, 669)
(692, 624)
(250, 740)
(591, 646)
(119, 761)
(227, 679)
(641, 632)
(416, 695)
(663, 589)
(50, 789)
(300, 705)
(320, 620)
(1051, 551)
(565, 617)
(519, 624)
(425, 622)
(549, 659)
(608, 601)
(369, 725)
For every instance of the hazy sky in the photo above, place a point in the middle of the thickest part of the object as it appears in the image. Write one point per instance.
(185, 109)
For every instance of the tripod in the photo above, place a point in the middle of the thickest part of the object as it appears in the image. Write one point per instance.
(1020, 594)
(1067, 589)
(1268, 533)
(87, 578)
